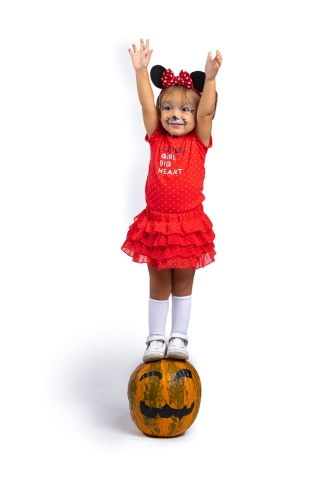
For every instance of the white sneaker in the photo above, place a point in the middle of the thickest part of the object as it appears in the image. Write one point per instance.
(156, 348)
(177, 347)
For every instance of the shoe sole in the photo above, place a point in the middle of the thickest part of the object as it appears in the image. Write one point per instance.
(153, 357)
(177, 355)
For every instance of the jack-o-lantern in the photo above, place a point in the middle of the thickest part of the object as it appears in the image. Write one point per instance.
(164, 397)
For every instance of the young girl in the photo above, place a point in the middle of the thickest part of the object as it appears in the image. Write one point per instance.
(172, 234)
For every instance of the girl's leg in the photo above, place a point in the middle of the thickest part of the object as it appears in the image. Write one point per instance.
(160, 289)
(182, 282)
(160, 283)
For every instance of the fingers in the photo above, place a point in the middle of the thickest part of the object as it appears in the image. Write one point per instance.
(149, 54)
(140, 55)
(219, 57)
(216, 60)
(132, 51)
(143, 46)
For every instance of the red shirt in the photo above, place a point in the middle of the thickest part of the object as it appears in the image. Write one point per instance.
(176, 171)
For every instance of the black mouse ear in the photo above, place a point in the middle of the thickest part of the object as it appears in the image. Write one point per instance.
(198, 80)
(156, 74)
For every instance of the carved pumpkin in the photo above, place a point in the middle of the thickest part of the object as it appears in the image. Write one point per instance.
(164, 397)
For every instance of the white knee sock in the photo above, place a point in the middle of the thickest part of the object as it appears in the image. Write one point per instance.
(158, 311)
(181, 307)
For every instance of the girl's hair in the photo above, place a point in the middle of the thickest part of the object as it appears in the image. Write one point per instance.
(186, 95)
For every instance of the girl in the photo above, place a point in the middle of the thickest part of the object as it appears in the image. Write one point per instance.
(172, 234)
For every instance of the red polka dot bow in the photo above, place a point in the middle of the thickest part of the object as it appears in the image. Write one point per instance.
(163, 78)
(168, 79)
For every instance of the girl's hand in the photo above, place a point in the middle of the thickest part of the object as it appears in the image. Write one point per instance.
(213, 65)
(140, 58)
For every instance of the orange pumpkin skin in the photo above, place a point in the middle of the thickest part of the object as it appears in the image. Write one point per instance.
(164, 397)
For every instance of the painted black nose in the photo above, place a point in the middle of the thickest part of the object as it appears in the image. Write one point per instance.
(174, 117)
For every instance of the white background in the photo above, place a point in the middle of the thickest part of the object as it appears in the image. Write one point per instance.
(74, 307)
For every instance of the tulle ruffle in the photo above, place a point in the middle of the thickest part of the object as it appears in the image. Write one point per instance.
(171, 240)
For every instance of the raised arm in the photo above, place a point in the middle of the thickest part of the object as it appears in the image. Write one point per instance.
(140, 61)
(207, 104)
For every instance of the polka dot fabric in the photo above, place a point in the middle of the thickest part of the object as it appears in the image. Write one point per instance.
(176, 171)
(173, 231)
(171, 240)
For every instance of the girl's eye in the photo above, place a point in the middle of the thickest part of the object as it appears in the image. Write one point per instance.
(166, 106)
(186, 108)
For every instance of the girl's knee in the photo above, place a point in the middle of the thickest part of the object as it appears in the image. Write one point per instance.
(160, 283)
(160, 290)
(182, 282)
(182, 289)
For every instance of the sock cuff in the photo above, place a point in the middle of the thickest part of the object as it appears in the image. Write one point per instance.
(158, 301)
(181, 298)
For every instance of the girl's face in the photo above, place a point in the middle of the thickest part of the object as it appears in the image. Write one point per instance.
(178, 108)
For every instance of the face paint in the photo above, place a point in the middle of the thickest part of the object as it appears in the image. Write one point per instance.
(181, 119)
(183, 108)
(187, 108)
(176, 120)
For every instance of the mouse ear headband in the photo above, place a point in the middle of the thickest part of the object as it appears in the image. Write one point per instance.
(165, 78)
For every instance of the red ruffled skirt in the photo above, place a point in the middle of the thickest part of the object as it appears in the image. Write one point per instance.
(171, 240)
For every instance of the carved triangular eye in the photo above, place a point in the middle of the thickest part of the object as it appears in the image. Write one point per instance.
(156, 74)
(198, 79)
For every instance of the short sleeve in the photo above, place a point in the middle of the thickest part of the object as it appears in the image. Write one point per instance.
(200, 142)
(154, 135)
